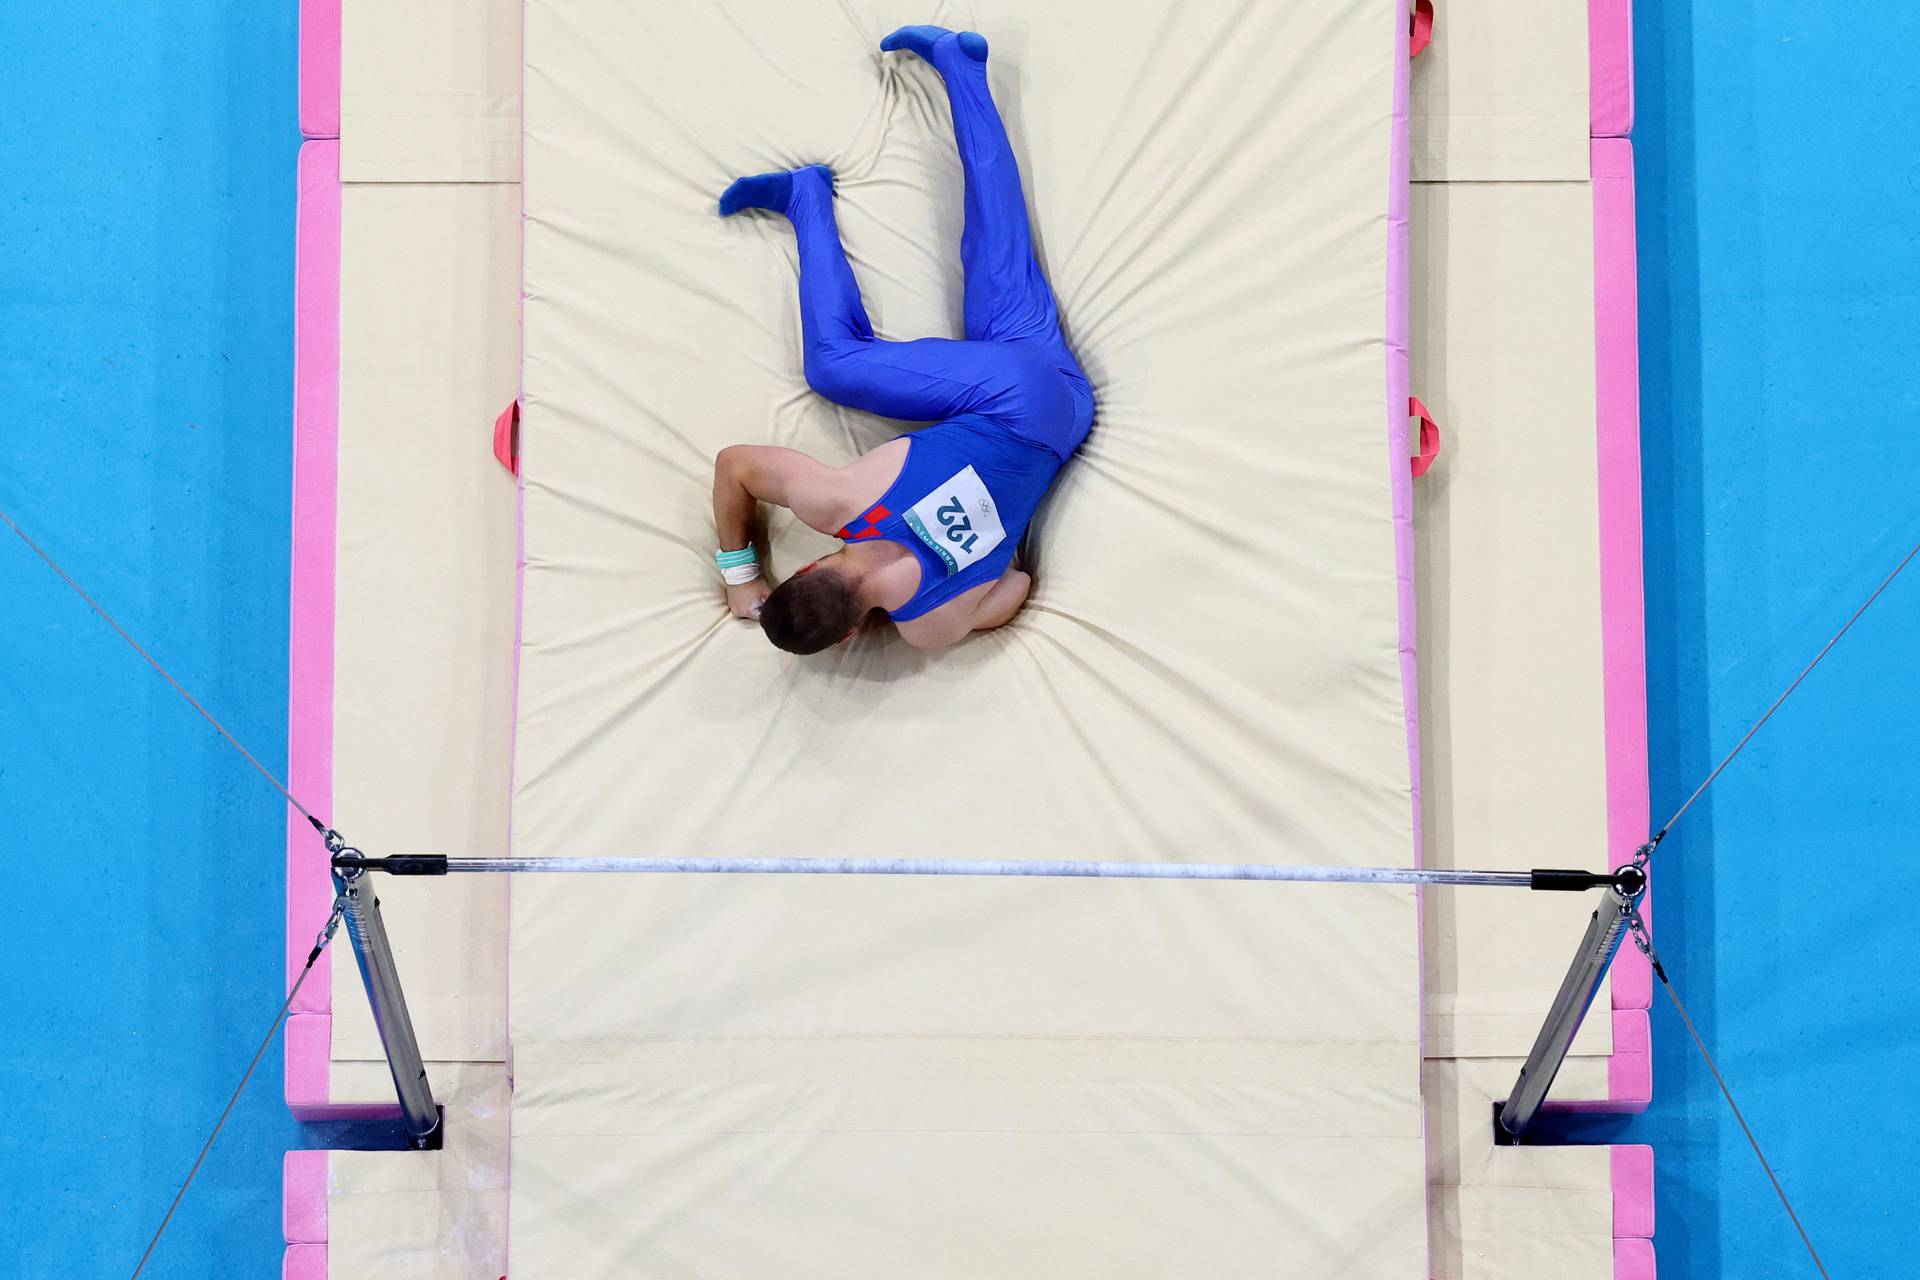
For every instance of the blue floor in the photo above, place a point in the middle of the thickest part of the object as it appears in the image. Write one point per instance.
(146, 236)
(1779, 317)
(146, 283)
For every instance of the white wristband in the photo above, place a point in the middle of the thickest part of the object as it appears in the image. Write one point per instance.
(737, 568)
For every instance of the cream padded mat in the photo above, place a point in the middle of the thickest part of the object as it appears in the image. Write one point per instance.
(1482, 1228)
(1507, 526)
(1513, 1213)
(960, 1158)
(437, 1215)
(423, 677)
(425, 593)
(429, 91)
(1209, 668)
(1501, 93)
(835, 1069)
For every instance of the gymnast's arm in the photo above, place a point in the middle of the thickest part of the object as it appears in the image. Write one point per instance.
(981, 609)
(745, 475)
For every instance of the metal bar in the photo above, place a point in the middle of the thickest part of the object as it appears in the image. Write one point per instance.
(967, 867)
(1577, 990)
(375, 955)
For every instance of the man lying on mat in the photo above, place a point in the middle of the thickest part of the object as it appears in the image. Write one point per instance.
(931, 520)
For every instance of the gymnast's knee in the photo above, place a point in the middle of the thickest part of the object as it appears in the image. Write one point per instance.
(832, 366)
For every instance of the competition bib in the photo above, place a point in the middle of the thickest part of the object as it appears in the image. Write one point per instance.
(958, 520)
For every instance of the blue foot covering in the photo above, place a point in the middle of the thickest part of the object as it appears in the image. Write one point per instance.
(771, 191)
(923, 39)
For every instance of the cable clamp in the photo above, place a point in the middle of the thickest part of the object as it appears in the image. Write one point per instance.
(333, 923)
(1637, 929)
(327, 930)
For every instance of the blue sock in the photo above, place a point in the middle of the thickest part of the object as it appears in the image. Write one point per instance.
(921, 40)
(761, 191)
(772, 191)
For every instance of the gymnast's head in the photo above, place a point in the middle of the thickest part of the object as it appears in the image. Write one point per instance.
(815, 609)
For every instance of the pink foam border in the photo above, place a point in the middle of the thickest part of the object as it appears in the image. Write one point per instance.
(307, 1041)
(1610, 57)
(1630, 1069)
(308, 1037)
(1633, 1260)
(320, 68)
(304, 1262)
(316, 419)
(303, 1203)
(1622, 605)
(1631, 1170)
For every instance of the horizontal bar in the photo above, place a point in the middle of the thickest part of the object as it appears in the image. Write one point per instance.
(969, 867)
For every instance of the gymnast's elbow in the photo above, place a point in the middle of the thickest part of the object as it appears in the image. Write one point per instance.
(737, 467)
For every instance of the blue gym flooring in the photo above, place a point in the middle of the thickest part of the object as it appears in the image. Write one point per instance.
(146, 340)
(146, 264)
(1779, 314)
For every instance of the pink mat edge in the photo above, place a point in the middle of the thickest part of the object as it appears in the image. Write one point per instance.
(1622, 603)
(304, 1262)
(1633, 1259)
(308, 1036)
(320, 68)
(1610, 58)
(1631, 1169)
(316, 416)
(1617, 391)
(1630, 1069)
(303, 1204)
(307, 1041)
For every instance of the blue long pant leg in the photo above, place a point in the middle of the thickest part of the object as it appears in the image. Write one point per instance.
(1014, 365)
(1007, 294)
(920, 380)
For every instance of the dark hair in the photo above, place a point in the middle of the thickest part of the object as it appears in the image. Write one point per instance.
(810, 611)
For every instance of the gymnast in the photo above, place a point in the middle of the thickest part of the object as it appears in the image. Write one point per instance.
(931, 520)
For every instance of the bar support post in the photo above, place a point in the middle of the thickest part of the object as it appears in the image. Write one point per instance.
(1598, 947)
(374, 953)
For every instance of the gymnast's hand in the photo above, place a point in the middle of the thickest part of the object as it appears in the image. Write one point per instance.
(745, 600)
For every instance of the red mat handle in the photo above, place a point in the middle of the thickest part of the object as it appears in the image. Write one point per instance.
(506, 437)
(1429, 436)
(1422, 27)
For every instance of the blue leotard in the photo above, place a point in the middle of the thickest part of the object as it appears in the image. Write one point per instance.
(960, 504)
